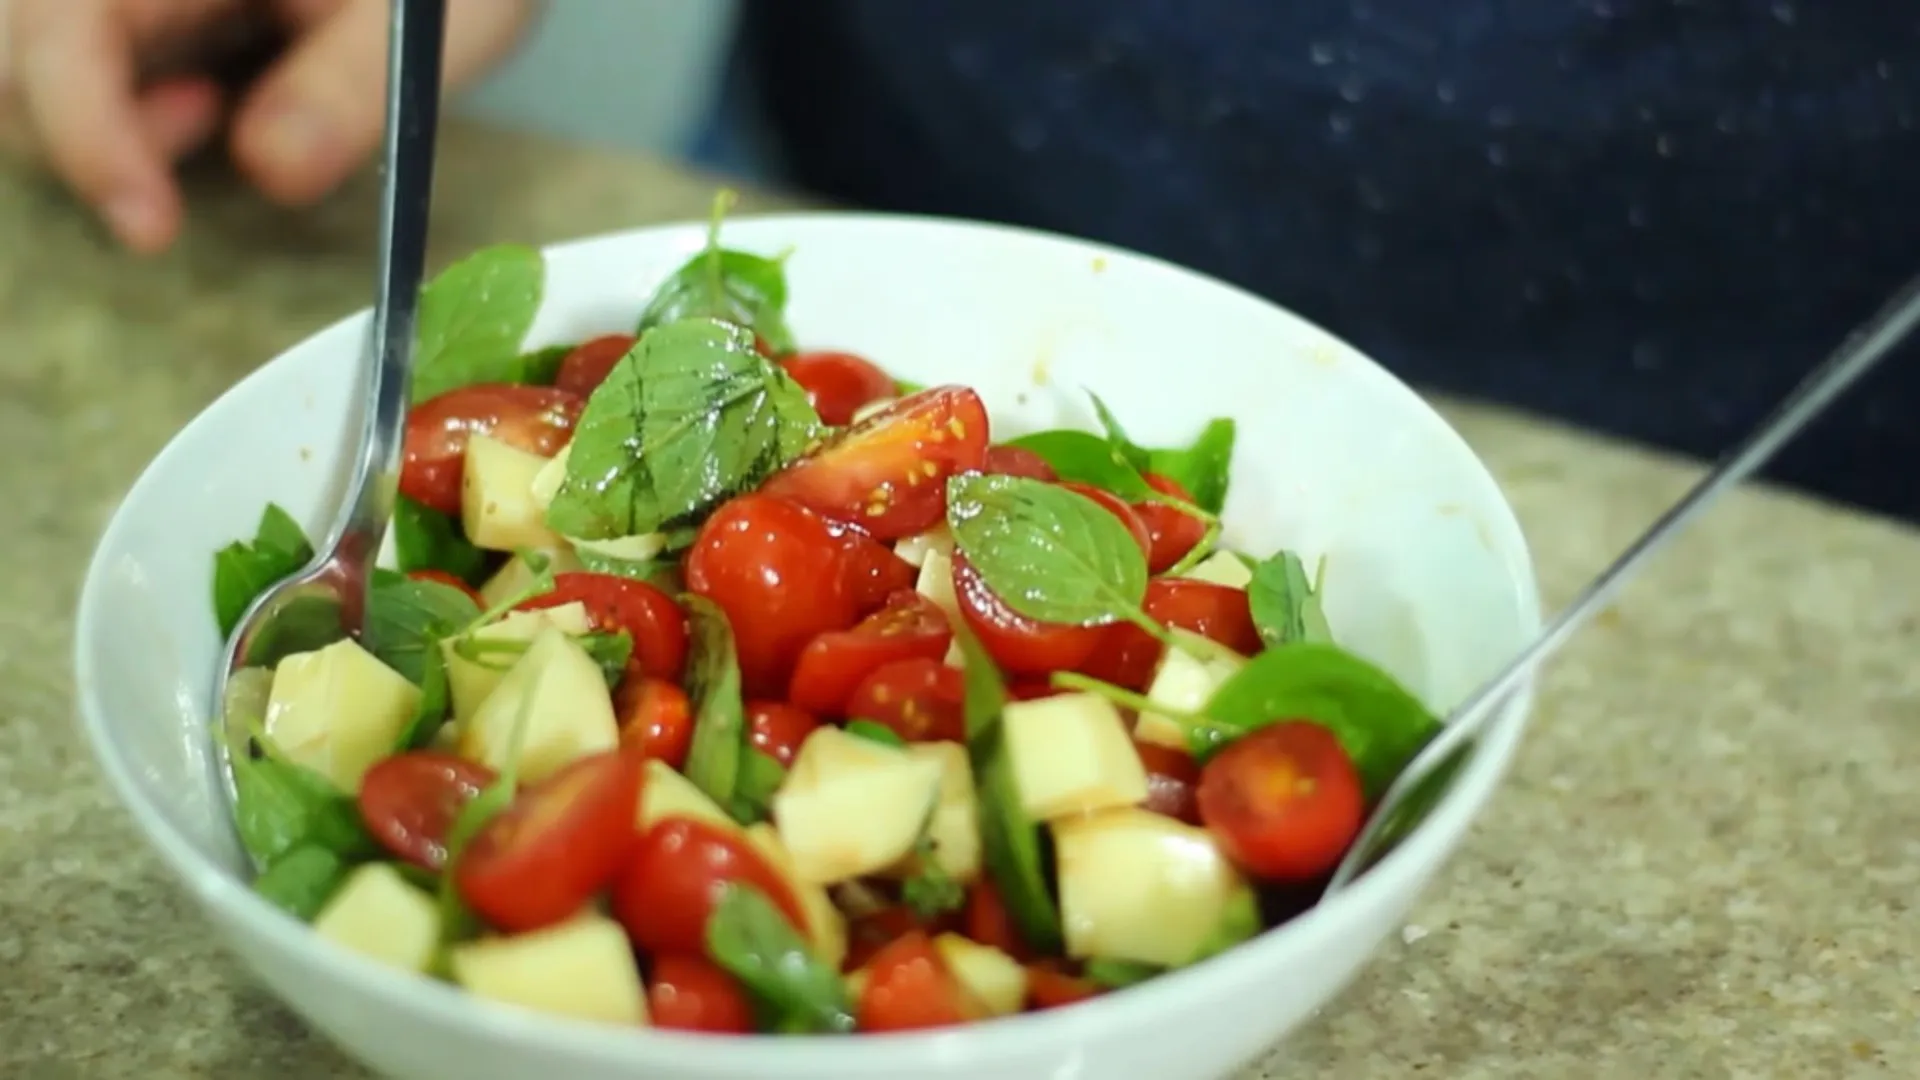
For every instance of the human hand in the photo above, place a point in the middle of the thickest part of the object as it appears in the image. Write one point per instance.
(72, 96)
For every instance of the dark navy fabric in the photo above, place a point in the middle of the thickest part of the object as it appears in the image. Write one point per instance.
(1645, 216)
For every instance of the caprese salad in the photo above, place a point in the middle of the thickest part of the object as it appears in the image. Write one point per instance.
(730, 687)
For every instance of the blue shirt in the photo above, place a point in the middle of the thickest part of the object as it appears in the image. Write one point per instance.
(1646, 216)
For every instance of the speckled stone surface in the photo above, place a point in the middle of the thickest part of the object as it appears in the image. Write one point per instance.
(1705, 862)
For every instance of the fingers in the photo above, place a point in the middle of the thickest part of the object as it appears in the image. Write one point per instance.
(318, 114)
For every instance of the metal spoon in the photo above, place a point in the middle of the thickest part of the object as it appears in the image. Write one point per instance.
(1432, 771)
(328, 599)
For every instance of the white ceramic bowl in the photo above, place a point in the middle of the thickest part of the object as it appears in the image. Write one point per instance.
(1427, 574)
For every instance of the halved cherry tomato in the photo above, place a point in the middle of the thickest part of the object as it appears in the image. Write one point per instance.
(1171, 778)
(1021, 645)
(538, 419)
(1115, 505)
(688, 992)
(656, 624)
(679, 871)
(1219, 612)
(410, 800)
(922, 700)
(656, 719)
(1017, 461)
(988, 922)
(888, 473)
(1173, 532)
(870, 933)
(833, 665)
(1050, 988)
(838, 383)
(586, 367)
(1126, 655)
(441, 577)
(1284, 802)
(780, 572)
(910, 987)
(874, 572)
(777, 729)
(559, 842)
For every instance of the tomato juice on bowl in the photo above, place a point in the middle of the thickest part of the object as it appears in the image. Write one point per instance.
(799, 659)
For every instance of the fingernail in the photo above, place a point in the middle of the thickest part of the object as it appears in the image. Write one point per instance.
(296, 134)
(136, 218)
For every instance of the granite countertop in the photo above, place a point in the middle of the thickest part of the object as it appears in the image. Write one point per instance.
(1704, 864)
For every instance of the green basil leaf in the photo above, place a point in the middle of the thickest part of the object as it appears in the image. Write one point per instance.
(1202, 468)
(1118, 974)
(306, 623)
(407, 618)
(1238, 923)
(542, 366)
(713, 687)
(242, 571)
(1379, 724)
(1048, 553)
(747, 290)
(930, 891)
(280, 805)
(1137, 457)
(1086, 458)
(301, 881)
(661, 571)
(611, 650)
(874, 731)
(903, 388)
(750, 937)
(426, 539)
(1009, 839)
(760, 777)
(473, 317)
(1285, 606)
(436, 702)
(691, 417)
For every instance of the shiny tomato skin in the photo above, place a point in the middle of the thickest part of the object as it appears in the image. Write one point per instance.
(832, 666)
(869, 933)
(1115, 505)
(681, 869)
(1020, 645)
(777, 729)
(922, 700)
(910, 988)
(537, 419)
(1171, 532)
(1050, 988)
(1126, 656)
(441, 577)
(888, 473)
(1017, 461)
(874, 572)
(1171, 779)
(656, 719)
(1220, 612)
(409, 802)
(838, 383)
(1033, 690)
(688, 992)
(561, 841)
(780, 572)
(649, 616)
(988, 922)
(1283, 802)
(584, 368)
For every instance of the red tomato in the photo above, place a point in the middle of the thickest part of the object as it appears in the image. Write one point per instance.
(1017, 461)
(868, 934)
(656, 624)
(777, 729)
(910, 987)
(832, 666)
(410, 800)
(688, 992)
(922, 700)
(1021, 645)
(538, 419)
(1050, 988)
(874, 572)
(586, 367)
(838, 383)
(679, 871)
(1115, 505)
(1126, 655)
(780, 573)
(1171, 777)
(1283, 802)
(559, 843)
(1032, 690)
(1219, 612)
(443, 578)
(888, 473)
(987, 921)
(655, 717)
(1173, 532)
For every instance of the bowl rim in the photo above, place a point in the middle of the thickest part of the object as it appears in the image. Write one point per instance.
(230, 900)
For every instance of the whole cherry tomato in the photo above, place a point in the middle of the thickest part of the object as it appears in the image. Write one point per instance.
(561, 841)
(585, 368)
(1284, 802)
(838, 383)
(649, 616)
(922, 700)
(441, 577)
(537, 419)
(1017, 461)
(909, 987)
(679, 873)
(777, 729)
(888, 473)
(655, 717)
(1172, 532)
(781, 574)
(688, 992)
(833, 665)
(1171, 778)
(1021, 645)
(409, 801)
(1115, 505)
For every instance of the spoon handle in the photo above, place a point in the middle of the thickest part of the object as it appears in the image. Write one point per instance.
(413, 107)
(1857, 355)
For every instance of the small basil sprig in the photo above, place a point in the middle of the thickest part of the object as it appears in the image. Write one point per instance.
(280, 805)
(426, 539)
(736, 286)
(1086, 458)
(473, 317)
(1202, 467)
(407, 619)
(243, 570)
(714, 759)
(796, 994)
(1285, 603)
(301, 881)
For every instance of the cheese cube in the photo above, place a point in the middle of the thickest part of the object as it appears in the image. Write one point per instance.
(851, 806)
(497, 509)
(936, 582)
(1139, 886)
(338, 710)
(994, 978)
(954, 828)
(913, 550)
(1071, 755)
(568, 713)
(1184, 683)
(469, 681)
(516, 577)
(378, 914)
(826, 927)
(665, 793)
(582, 968)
